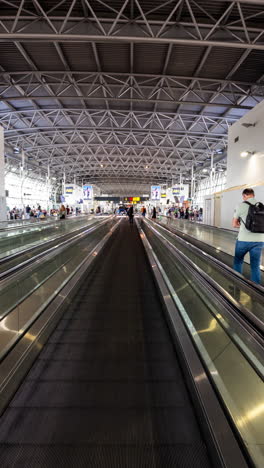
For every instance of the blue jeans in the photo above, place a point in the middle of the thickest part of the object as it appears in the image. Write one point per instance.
(254, 249)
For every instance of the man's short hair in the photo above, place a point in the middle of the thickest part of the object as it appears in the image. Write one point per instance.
(248, 191)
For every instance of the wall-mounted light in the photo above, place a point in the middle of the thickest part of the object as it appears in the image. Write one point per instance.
(146, 167)
(245, 154)
(247, 124)
(205, 170)
(101, 165)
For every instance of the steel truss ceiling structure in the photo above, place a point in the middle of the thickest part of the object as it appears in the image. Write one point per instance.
(125, 93)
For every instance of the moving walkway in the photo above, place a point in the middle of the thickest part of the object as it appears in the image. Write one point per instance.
(63, 234)
(15, 240)
(217, 243)
(127, 363)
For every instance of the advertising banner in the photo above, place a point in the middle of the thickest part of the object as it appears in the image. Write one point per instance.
(87, 192)
(155, 192)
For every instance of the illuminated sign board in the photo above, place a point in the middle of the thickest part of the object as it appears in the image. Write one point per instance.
(132, 199)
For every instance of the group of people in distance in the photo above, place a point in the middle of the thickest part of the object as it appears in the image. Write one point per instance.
(31, 212)
(194, 214)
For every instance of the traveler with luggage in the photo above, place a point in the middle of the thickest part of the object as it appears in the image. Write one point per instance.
(249, 218)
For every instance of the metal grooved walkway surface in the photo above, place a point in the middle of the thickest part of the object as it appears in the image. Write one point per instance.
(107, 390)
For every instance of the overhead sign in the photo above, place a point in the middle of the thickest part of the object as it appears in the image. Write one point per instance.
(87, 192)
(155, 192)
(68, 189)
(132, 199)
(181, 191)
(164, 195)
(177, 190)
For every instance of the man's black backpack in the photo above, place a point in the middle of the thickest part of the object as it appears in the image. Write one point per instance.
(255, 218)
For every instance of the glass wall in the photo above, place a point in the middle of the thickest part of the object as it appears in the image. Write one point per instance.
(26, 189)
(207, 186)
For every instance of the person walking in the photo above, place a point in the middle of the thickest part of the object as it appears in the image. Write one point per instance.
(248, 241)
(130, 214)
(28, 209)
(62, 212)
(154, 213)
(144, 211)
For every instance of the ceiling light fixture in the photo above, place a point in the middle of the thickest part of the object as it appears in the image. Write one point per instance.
(247, 125)
(244, 154)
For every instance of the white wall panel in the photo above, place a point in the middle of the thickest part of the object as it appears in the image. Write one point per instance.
(249, 170)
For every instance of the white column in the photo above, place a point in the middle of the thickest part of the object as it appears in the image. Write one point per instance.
(22, 178)
(211, 173)
(48, 189)
(3, 216)
(63, 182)
(192, 183)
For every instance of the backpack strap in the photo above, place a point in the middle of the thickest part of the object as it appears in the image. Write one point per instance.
(249, 204)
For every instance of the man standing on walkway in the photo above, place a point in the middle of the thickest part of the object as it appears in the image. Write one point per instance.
(247, 241)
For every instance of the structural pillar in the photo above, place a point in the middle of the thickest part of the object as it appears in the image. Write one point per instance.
(3, 216)
(211, 172)
(22, 178)
(192, 183)
(48, 188)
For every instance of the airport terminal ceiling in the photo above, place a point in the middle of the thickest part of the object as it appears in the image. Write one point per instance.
(127, 93)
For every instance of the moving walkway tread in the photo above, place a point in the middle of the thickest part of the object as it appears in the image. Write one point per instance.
(107, 389)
